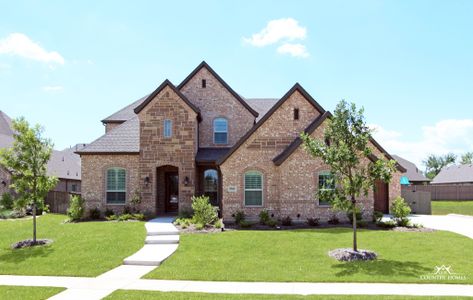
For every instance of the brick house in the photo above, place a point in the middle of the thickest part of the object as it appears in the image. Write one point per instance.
(201, 137)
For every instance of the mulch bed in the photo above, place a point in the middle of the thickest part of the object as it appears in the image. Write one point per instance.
(30, 243)
(348, 255)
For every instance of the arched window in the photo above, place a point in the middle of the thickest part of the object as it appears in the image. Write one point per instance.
(253, 188)
(116, 186)
(211, 185)
(220, 131)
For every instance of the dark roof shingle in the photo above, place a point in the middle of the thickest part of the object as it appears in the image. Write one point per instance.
(210, 155)
(455, 174)
(412, 172)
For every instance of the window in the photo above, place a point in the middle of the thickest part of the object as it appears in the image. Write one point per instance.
(167, 128)
(116, 187)
(211, 186)
(74, 187)
(296, 114)
(253, 188)
(326, 184)
(220, 131)
(204, 83)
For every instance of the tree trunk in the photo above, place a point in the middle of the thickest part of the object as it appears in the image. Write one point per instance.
(353, 201)
(34, 222)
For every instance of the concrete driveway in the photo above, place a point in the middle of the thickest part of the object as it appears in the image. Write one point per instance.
(455, 223)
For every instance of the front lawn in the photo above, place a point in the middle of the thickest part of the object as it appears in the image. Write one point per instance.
(28, 292)
(301, 256)
(452, 207)
(145, 295)
(79, 249)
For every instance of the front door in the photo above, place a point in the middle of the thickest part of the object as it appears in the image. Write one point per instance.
(381, 197)
(171, 181)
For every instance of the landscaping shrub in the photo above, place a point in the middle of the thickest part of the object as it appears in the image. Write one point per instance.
(15, 214)
(400, 211)
(112, 217)
(272, 223)
(75, 212)
(239, 217)
(286, 221)
(264, 217)
(199, 226)
(94, 213)
(185, 214)
(108, 212)
(183, 222)
(218, 224)
(6, 201)
(387, 224)
(127, 210)
(333, 220)
(313, 221)
(204, 212)
(377, 216)
(245, 224)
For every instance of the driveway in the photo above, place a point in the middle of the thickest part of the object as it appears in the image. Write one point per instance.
(455, 223)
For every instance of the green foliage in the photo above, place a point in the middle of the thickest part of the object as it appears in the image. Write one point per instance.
(218, 224)
(377, 216)
(204, 212)
(239, 217)
(108, 212)
(185, 213)
(272, 223)
(286, 221)
(94, 213)
(358, 214)
(135, 200)
(245, 224)
(183, 222)
(333, 220)
(264, 217)
(126, 217)
(400, 210)
(313, 221)
(112, 217)
(199, 226)
(6, 202)
(434, 164)
(75, 212)
(467, 158)
(27, 161)
(386, 224)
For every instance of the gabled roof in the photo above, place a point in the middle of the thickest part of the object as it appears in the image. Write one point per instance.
(455, 174)
(261, 105)
(158, 90)
(278, 160)
(125, 113)
(296, 87)
(64, 164)
(203, 64)
(122, 139)
(412, 172)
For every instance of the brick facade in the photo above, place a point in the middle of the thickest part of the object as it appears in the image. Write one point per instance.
(215, 101)
(6, 178)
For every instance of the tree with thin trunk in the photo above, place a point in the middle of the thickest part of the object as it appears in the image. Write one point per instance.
(435, 163)
(346, 149)
(27, 161)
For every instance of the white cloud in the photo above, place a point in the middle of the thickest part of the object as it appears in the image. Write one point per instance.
(52, 88)
(445, 136)
(296, 50)
(286, 29)
(21, 45)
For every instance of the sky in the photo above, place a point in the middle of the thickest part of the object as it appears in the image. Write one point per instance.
(67, 65)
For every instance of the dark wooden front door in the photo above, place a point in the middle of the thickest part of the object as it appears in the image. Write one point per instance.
(171, 181)
(381, 197)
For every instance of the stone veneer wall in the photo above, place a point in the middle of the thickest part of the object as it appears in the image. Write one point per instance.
(157, 151)
(257, 153)
(216, 101)
(94, 168)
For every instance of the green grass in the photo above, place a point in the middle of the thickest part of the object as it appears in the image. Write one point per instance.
(452, 207)
(301, 256)
(79, 249)
(27, 292)
(145, 295)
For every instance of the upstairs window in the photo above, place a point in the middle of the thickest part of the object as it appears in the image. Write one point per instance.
(296, 114)
(220, 131)
(204, 83)
(167, 128)
(326, 183)
(116, 186)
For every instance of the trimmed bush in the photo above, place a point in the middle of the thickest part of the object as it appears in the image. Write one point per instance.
(199, 226)
(313, 221)
(286, 221)
(333, 220)
(94, 213)
(75, 212)
(218, 224)
(108, 212)
(264, 217)
(245, 224)
(272, 223)
(6, 201)
(204, 212)
(239, 217)
(400, 210)
(377, 216)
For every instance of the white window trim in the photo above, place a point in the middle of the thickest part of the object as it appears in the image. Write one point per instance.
(116, 191)
(323, 172)
(215, 131)
(253, 190)
(170, 128)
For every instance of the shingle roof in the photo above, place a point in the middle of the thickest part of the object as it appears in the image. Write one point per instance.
(5, 124)
(455, 174)
(412, 172)
(261, 105)
(125, 138)
(64, 164)
(125, 113)
(212, 155)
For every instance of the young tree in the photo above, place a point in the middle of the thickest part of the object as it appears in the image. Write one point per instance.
(346, 150)
(467, 158)
(27, 161)
(434, 164)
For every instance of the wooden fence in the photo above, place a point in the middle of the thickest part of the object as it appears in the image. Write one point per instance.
(58, 201)
(419, 201)
(444, 192)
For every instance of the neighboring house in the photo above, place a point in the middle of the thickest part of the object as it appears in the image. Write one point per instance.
(455, 175)
(63, 164)
(201, 137)
(413, 176)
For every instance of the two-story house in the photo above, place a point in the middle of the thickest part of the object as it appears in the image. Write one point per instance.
(201, 137)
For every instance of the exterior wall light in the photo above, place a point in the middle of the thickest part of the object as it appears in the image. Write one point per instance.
(186, 181)
(147, 181)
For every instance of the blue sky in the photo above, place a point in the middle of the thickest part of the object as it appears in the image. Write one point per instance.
(409, 63)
